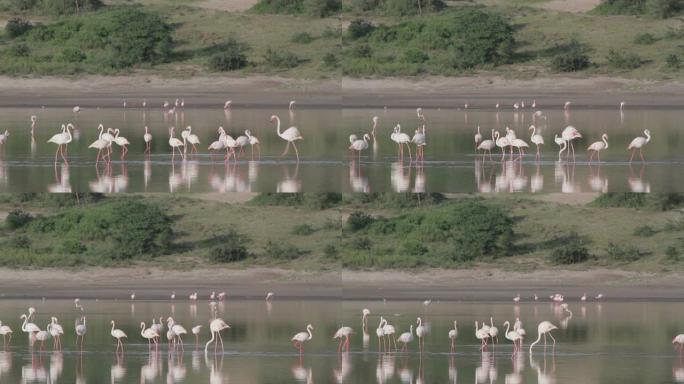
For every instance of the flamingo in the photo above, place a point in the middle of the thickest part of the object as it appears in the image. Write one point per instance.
(375, 125)
(269, 296)
(80, 329)
(3, 137)
(478, 137)
(493, 331)
(42, 336)
(487, 146)
(599, 296)
(29, 328)
(173, 295)
(638, 143)
(401, 138)
(405, 338)
(679, 340)
(291, 106)
(534, 104)
(389, 331)
(343, 332)
(419, 113)
(360, 145)
(302, 337)
(227, 104)
(566, 106)
(482, 335)
(147, 137)
(253, 141)
(545, 327)
(569, 134)
(132, 296)
(520, 144)
(516, 299)
(166, 105)
(453, 334)
(216, 326)
(419, 140)
(56, 331)
(34, 121)
(241, 141)
(597, 147)
(100, 144)
(502, 143)
(563, 146)
(4, 331)
(150, 334)
(174, 143)
(380, 332)
(536, 139)
(62, 140)
(218, 145)
(177, 329)
(121, 142)
(191, 138)
(76, 109)
(421, 332)
(196, 331)
(364, 317)
(118, 335)
(290, 135)
(584, 297)
(622, 105)
(513, 336)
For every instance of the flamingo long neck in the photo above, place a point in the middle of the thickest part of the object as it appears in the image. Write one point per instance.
(308, 329)
(420, 322)
(605, 140)
(491, 321)
(23, 326)
(68, 132)
(648, 135)
(411, 330)
(213, 337)
(112, 326)
(536, 341)
(278, 125)
(508, 326)
(534, 130)
(142, 329)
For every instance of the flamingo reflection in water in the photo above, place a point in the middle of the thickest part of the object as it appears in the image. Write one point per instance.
(358, 182)
(543, 376)
(400, 178)
(637, 184)
(289, 184)
(62, 183)
(596, 182)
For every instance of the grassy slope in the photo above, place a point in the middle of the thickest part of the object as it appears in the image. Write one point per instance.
(199, 30)
(536, 223)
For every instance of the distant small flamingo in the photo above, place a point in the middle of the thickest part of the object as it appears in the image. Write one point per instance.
(253, 142)
(196, 331)
(622, 105)
(269, 296)
(478, 137)
(291, 106)
(453, 334)
(147, 137)
(227, 104)
(599, 296)
(678, 341)
(597, 147)
(364, 317)
(3, 137)
(419, 113)
(584, 297)
(516, 299)
(76, 109)
(638, 143)
(566, 106)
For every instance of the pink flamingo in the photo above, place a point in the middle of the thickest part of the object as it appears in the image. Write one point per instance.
(638, 143)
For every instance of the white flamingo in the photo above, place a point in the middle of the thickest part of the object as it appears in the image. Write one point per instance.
(536, 139)
(290, 135)
(300, 338)
(502, 143)
(150, 334)
(118, 335)
(493, 331)
(3, 137)
(196, 331)
(401, 138)
(147, 137)
(100, 144)
(544, 328)
(569, 134)
(121, 142)
(453, 334)
(216, 326)
(291, 106)
(478, 137)
(62, 140)
(421, 332)
(405, 338)
(227, 104)
(4, 331)
(253, 142)
(80, 329)
(191, 138)
(380, 332)
(487, 146)
(419, 140)
(360, 145)
(175, 143)
(343, 334)
(638, 143)
(597, 147)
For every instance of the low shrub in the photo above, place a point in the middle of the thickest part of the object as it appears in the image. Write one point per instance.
(621, 200)
(72, 55)
(359, 28)
(281, 251)
(359, 220)
(233, 56)
(303, 230)
(17, 218)
(645, 39)
(627, 253)
(619, 60)
(19, 242)
(331, 252)
(19, 50)
(573, 250)
(573, 57)
(672, 61)
(280, 60)
(302, 38)
(17, 26)
(232, 248)
(360, 243)
(72, 247)
(644, 231)
(672, 253)
(330, 60)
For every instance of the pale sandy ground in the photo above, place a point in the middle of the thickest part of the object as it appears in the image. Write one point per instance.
(576, 6)
(261, 91)
(453, 285)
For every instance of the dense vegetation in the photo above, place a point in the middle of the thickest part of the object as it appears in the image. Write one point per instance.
(656, 8)
(317, 8)
(447, 43)
(50, 7)
(106, 40)
(399, 7)
(323, 231)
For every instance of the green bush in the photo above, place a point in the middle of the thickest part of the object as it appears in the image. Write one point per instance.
(309, 200)
(232, 57)
(17, 219)
(411, 7)
(17, 26)
(72, 247)
(645, 39)
(276, 59)
(415, 248)
(72, 55)
(303, 230)
(673, 61)
(573, 250)
(330, 251)
(302, 38)
(322, 8)
(361, 51)
(281, 251)
(232, 248)
(359, 220)
(330, 60)
(619, 60)
(672, 253)
(361, 243)
(663, 9)
(644, 231)
(62, 7)
(415, 55)
(19, 50)
(623, 253)
(365, 5)
(620, 199)
(572, 57)
(19, 242)
(359, 28)
(655, 8)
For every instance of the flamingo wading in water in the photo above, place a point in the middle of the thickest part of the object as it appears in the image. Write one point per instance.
(638, 143)
(597, 147)
(301, 337)
(544, 328)
(290, 135)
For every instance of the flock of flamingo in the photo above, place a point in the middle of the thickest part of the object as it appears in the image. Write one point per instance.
(234, 147)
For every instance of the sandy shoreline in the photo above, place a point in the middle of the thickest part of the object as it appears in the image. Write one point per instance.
(447, 285)
(261, 91)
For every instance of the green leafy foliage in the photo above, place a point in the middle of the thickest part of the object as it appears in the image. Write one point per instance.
(17, 26)
(572, 57)
(460, 39)
(280, 60)
(359, 220)
(302, 38)
(233, 56)
(17, 218)
(645, 39)
(317, 8)
(359, 28)
(573, 249)
(672, 61)
(232, 248)
(627, 253)
(627, 60)
(281, 251)
(656, 8)
(303, 230)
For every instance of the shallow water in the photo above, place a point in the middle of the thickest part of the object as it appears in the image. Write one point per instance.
(600, 343)
(450, 165)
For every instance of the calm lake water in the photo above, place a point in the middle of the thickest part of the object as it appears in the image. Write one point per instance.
(600, 343)
(450, 164)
